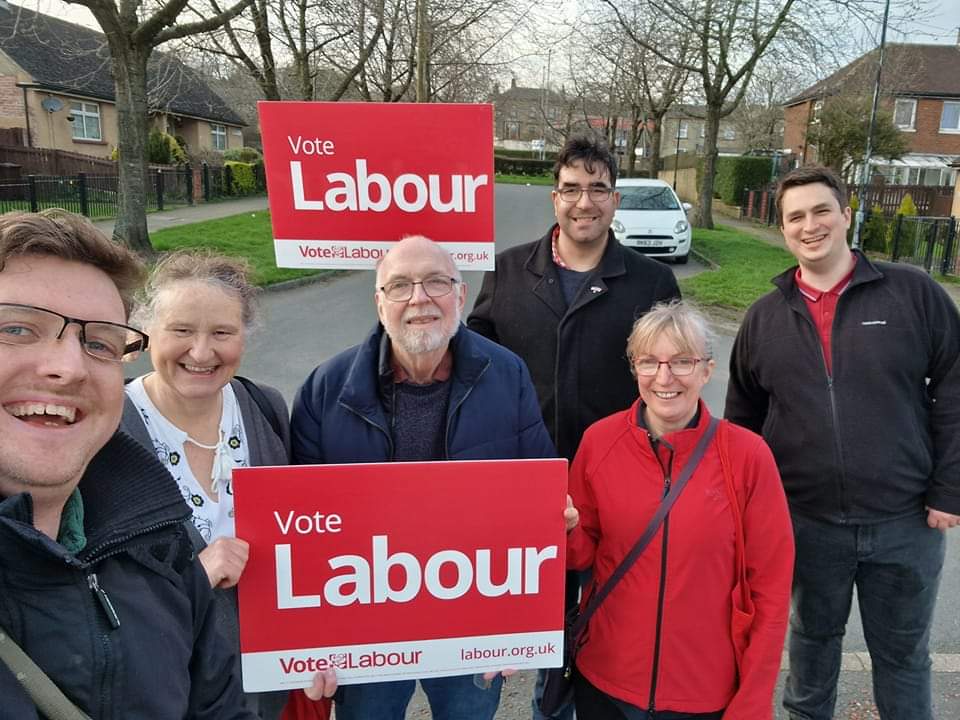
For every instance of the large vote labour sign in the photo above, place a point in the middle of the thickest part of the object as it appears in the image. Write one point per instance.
(400, 570)
(348, 180)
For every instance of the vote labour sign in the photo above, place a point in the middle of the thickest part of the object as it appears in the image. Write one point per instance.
(347, 180)
(400, 570)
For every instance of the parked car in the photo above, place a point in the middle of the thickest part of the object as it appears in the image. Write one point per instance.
(652, 220)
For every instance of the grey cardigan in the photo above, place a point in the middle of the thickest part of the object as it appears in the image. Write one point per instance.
(266, 448)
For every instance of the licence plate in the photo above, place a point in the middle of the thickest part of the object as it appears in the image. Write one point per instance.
(649, 243)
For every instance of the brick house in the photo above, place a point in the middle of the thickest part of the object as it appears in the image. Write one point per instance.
(921, 86)
(56, 90)
(523, 115)
(684, 127)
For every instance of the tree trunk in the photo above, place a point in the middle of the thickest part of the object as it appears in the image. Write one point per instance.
(704, 214)
(130, 83)
(655, 139)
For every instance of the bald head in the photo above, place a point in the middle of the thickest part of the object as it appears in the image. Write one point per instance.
(413, 252)
(431, 297)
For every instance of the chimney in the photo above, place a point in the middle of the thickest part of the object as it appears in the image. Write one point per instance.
(513, 83)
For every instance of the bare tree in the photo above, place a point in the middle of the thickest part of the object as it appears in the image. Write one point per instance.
(729, 37)
(133, 32)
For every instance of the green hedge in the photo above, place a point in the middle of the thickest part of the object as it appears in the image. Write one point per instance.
(521, 166)
(526, 154)
(736, 175)
(242, 180)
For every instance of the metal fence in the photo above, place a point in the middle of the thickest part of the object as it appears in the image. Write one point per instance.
(95, 196)
(927, 242)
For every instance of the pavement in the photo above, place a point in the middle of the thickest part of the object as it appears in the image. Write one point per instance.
(195, 213)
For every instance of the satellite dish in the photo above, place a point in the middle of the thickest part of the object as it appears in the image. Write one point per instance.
(51, 104)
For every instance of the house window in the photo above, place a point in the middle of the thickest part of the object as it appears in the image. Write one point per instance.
(511, 130)
(703, 130)
(729, 133)
(86, 121)
(817, 109)
(218, 137)
(682, 129)
(950, 117)
(905, 113)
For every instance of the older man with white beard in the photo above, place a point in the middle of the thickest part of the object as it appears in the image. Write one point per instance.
(420, 387)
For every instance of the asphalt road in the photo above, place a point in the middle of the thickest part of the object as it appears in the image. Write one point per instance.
(303, 326)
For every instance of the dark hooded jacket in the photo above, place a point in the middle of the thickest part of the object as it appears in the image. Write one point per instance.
(125, 627)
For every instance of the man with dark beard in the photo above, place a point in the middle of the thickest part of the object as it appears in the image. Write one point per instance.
(420, 387)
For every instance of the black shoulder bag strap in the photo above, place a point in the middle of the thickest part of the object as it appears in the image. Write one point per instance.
(261, 401)
(655, 522)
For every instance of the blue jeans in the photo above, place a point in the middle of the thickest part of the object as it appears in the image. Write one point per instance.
(451, 698)
(895, 566)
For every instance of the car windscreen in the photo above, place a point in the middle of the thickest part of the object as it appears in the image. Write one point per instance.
(647, 198)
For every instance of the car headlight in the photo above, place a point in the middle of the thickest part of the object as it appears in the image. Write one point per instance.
(618, 227)
(681, 227)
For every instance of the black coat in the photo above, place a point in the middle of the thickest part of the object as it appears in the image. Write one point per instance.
(576, 355)
(162, 657)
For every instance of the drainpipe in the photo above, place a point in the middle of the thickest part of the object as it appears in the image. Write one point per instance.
(26, 115)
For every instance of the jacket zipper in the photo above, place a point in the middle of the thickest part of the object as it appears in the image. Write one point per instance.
(828, 371)
(661, 592)
(662, 589)
(101, 595)
(105, 622)
(451, 411)
(378, 427)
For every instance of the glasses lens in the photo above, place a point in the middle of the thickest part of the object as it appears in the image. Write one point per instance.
(599, 194)
(26, 325)
(647, 366)
(437, 286)
(569, 194)
(399, 290)
(682, 366)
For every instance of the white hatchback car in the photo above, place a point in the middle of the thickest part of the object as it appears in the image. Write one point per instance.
(652, 220)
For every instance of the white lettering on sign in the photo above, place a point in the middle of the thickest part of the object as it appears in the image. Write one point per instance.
(368, 581)
(310, 147)
(306, 524)
(374, 192)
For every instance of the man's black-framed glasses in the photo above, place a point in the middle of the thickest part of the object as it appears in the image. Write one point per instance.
(679, 366)
(434, 287)
(26, 325)
(596, 193)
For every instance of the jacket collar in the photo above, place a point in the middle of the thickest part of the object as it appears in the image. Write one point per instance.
(126, 492)
(370, 369)
(681, 441)
(546, 283)
(864, 272)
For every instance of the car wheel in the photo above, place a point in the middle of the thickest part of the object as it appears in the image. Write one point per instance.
(682, 260)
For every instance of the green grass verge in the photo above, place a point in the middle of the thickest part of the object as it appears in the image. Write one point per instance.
(247, 235)
(746, 266)
(525, 179)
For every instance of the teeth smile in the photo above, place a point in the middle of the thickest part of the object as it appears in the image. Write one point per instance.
(42, 409)
(197, 369)
(666, 395)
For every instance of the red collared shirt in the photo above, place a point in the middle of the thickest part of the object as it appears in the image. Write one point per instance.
(441, 374)
(822, 306)
(557, 260)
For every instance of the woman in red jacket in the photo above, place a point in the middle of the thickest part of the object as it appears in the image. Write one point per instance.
(661, 644)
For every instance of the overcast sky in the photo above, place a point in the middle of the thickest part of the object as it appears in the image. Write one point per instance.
(941, 25)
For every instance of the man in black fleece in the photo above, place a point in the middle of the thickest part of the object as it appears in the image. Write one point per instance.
(851, 371)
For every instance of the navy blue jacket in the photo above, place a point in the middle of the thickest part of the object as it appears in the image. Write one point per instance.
(339, 416)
